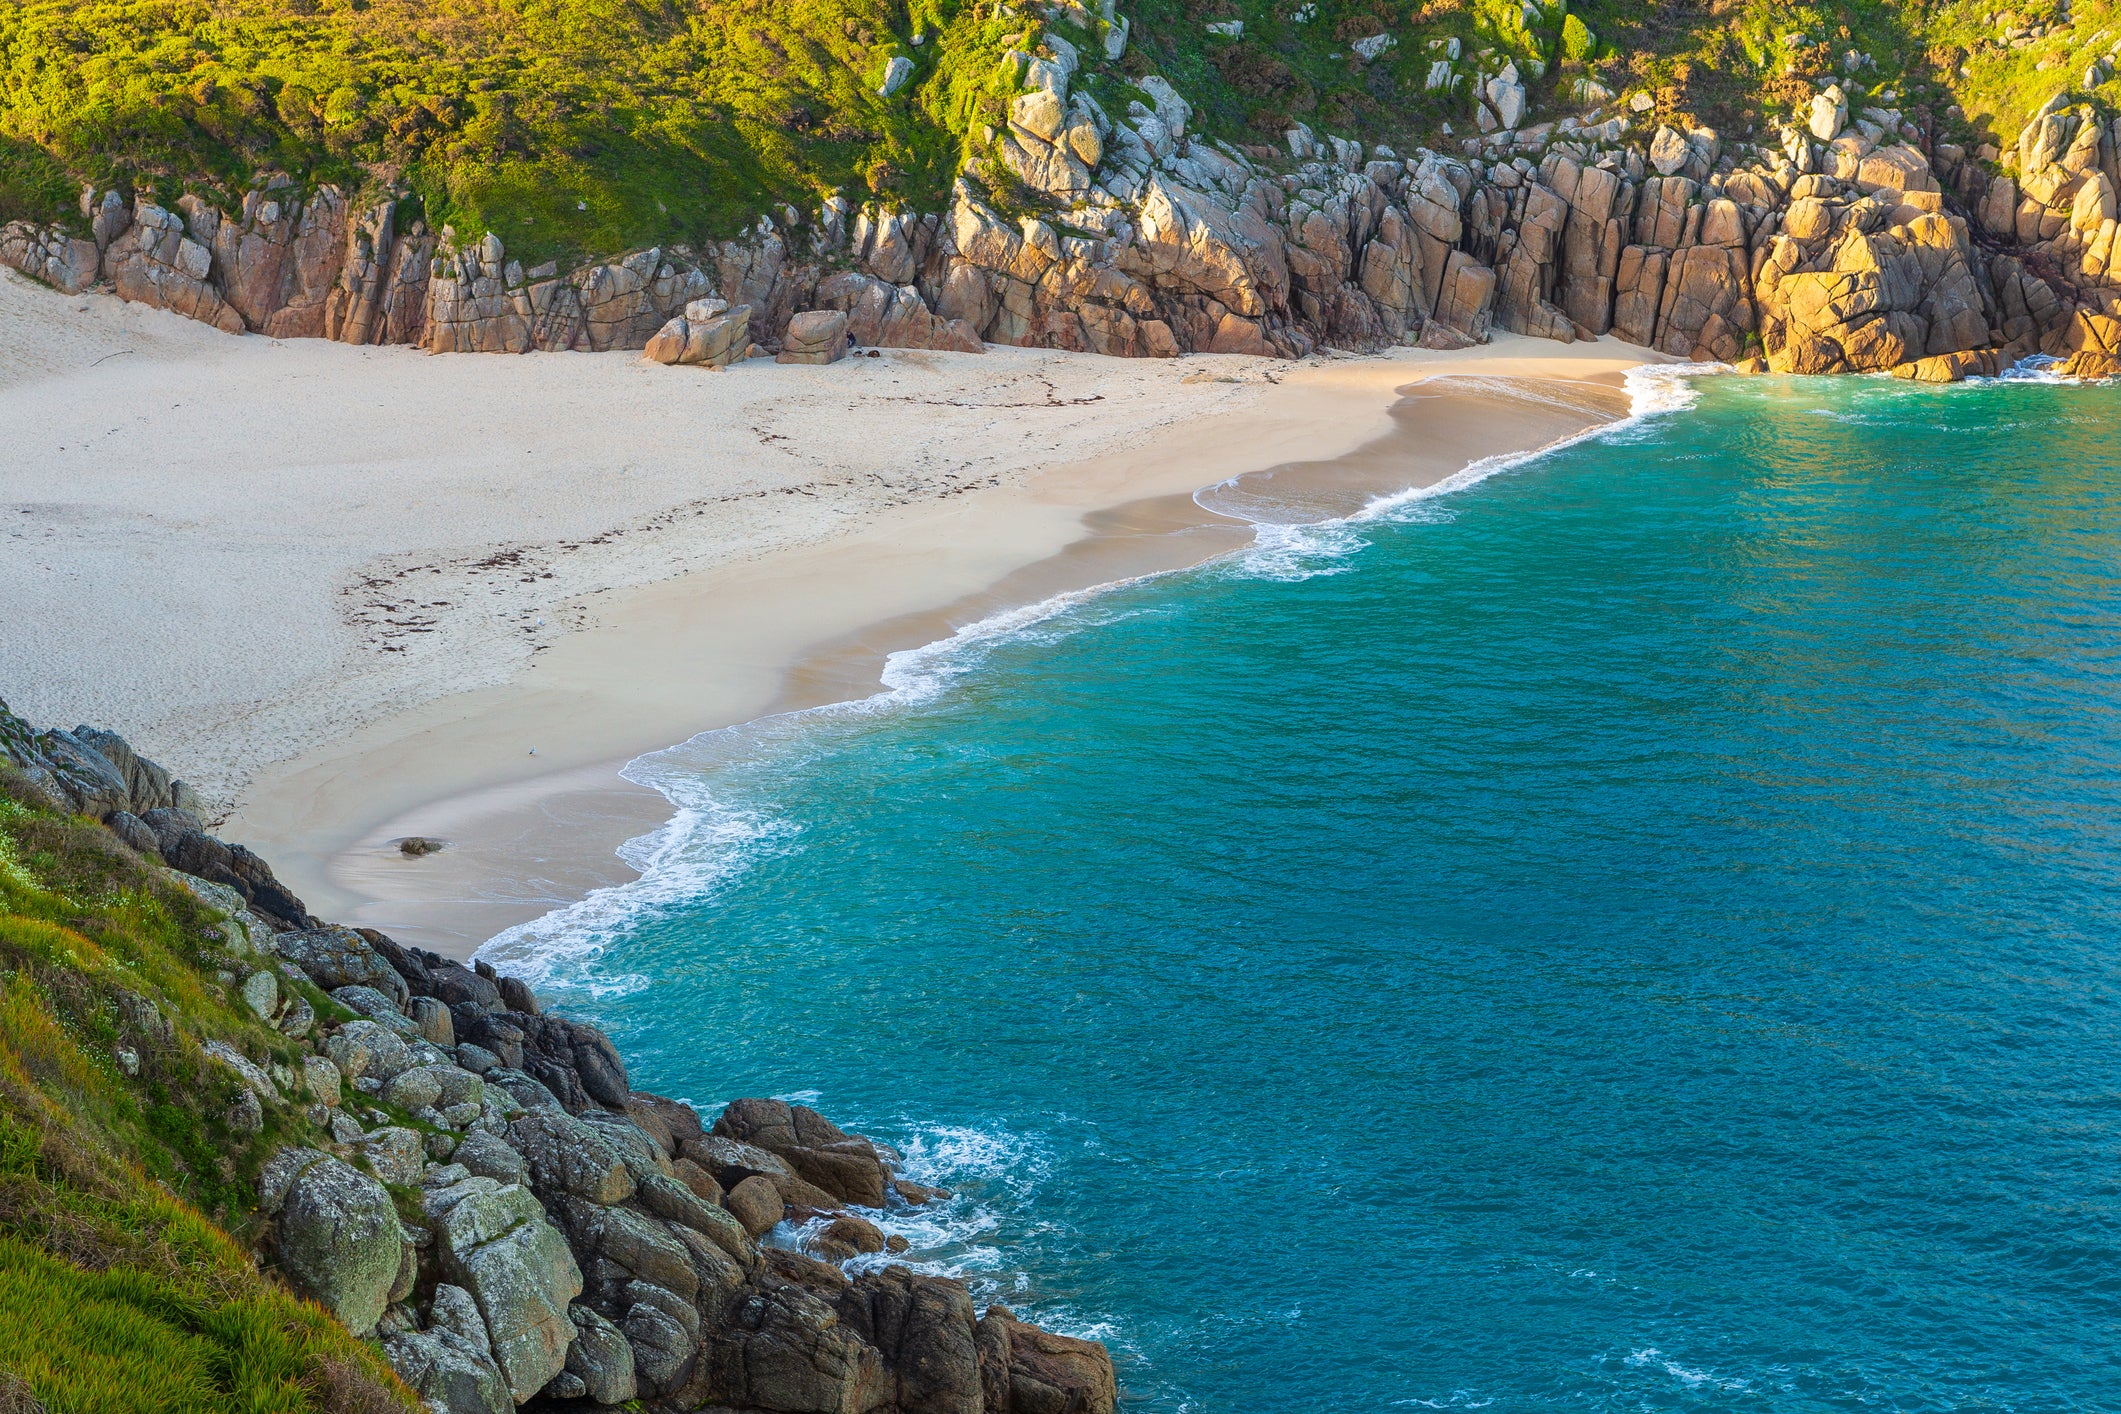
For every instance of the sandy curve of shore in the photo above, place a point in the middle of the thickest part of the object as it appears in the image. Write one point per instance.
(348, 592)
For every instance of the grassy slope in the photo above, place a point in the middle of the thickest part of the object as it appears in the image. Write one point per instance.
(579, 127)
(121, 1287)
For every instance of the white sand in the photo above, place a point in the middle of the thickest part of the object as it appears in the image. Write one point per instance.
(336, 587)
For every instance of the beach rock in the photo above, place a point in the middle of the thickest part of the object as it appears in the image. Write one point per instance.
(714, 342)
(50, 254)
(155, 263)
(339, 1240)
(816, 336)
(819, 1151)
(519, 1271)
(882, 315)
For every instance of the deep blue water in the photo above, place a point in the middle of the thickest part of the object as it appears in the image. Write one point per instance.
(1640, 932)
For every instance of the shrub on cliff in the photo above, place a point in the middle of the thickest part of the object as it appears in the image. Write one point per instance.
(122, 1141)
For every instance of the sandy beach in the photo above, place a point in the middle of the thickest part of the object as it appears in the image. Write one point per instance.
(355, 594)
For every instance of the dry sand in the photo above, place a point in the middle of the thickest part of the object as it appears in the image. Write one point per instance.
(356, 594)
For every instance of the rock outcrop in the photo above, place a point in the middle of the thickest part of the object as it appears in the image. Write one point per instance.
(517, 1226)
(1837, 245)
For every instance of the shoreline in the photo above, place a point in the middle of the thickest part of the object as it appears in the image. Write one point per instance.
(524, 839)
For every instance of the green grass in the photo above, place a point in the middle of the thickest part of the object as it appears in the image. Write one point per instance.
(122, 1287)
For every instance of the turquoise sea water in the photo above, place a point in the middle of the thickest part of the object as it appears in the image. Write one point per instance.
(1642, 931)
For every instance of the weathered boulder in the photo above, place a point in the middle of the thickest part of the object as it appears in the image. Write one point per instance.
(709, 341)
(815, 336)
(499, 1247)
(756, 1204)
(601, 1358)
(784, 1347)
(448, 1373)
(339, 957)
(364, 1049)
(922, 1327)
(48, 253)
(842, 1164)
(339, 1239)
(1048, 1371)
(565, 1155)
(673, 1202)
(157, 264)
(395, 1153)
(886, 316)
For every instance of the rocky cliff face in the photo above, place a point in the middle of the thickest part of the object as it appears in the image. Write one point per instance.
(1852, 244)
(515, 1225)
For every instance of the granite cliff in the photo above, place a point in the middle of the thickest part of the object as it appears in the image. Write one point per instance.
(1847, 236)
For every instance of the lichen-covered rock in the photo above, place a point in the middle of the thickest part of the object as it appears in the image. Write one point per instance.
(499, 1247)
(363, 1049)
(339, 957)
(601, 1358)
(448, 1373)
(565, 1155)
(340, 1240)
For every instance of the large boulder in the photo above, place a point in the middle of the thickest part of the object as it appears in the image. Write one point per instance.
(756, 1204)
(340, 1241)
(449, 1374)
(844, 1165)
(815, 336)
(703, 336)
(499, 1247)
(339, 957)
(922, 1327)
(784, 1347)
(566, 1155)
(366, 1049)
(601, 1358)
(1046, 1371)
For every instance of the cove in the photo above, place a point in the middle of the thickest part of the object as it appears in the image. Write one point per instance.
(1635, 932)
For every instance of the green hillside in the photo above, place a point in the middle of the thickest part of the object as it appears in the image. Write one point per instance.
(591, 126)
(120, 1166)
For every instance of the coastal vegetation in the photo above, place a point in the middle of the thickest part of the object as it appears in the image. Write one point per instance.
(127, 1174)
(592, 126)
